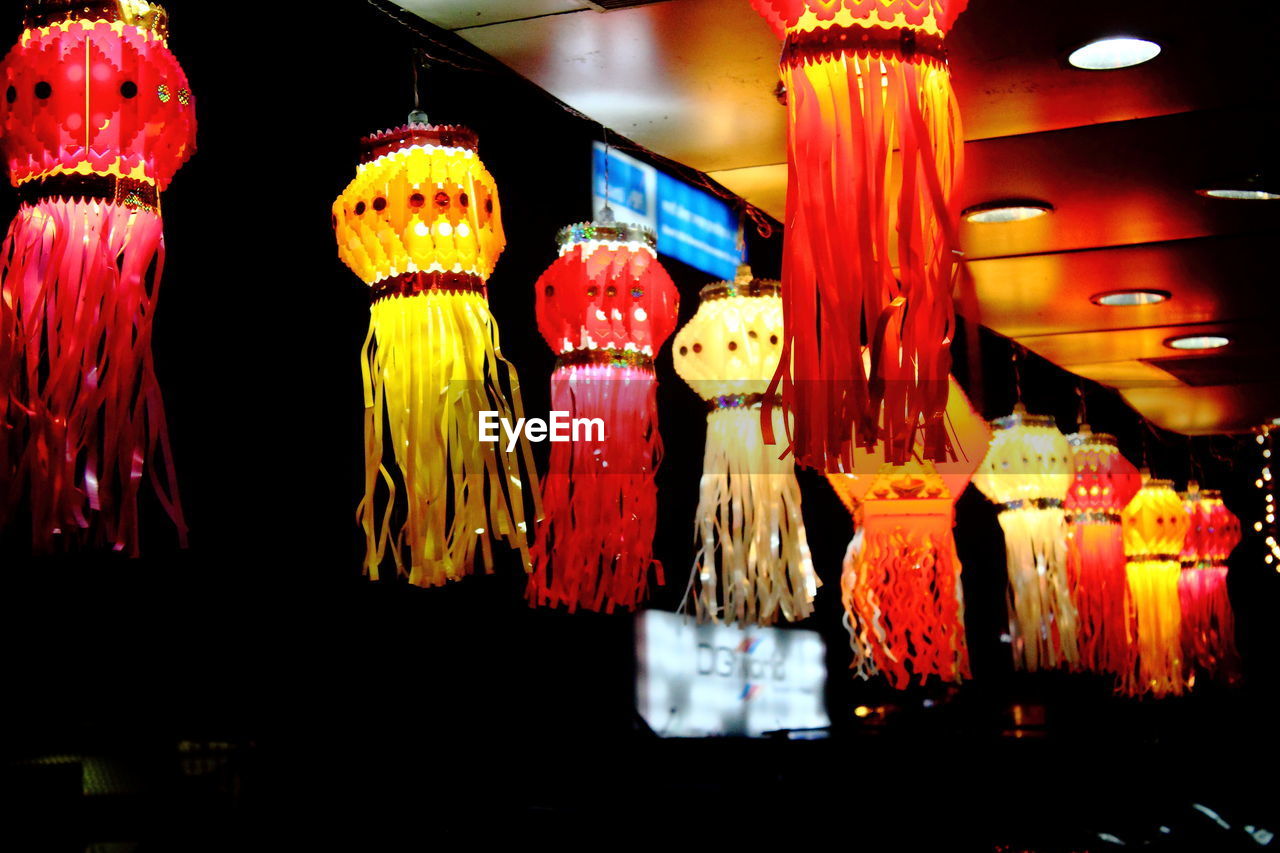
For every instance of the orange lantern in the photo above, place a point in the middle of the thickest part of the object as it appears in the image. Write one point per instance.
(421, 226)
(903, 600)
(1208, 623)
(1104, 484)
(753, 564)
(874, 148)
(96, 119)
(1027, 472)
(1155, 525)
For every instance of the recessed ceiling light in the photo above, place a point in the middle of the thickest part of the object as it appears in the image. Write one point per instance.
(1006, 210)
(1109, 54)
(1194, 342)
(1252, 188)
(1125, 298)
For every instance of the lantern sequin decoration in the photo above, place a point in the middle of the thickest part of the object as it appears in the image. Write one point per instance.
(1027, 472)
(420, 224)
(874, 148)
(752, 564)
(605, 306)
(1104, 484)
(901, 589)
(97, 117)
(1208, 623)
(1155, 525)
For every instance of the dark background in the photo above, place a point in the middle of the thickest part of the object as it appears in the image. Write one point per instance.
(328, 701)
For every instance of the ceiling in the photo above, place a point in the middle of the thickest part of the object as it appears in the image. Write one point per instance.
(1118, 154)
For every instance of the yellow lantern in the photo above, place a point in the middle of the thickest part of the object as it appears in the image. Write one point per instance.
(420, 224)
(753, 563)
(1155, 526)
(1027, 472)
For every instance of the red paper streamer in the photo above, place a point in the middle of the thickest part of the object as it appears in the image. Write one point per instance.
(874, 148)
(606, 305)
(96, 118)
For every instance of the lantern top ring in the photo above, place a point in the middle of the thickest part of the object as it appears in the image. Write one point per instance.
(134, 13)
(1153, 483)
(1211, 494)
(607, 232)
(754, 287)
(608, 357)
(1024, 419)
(1031, 503)
(1081, 439)
(906, 44)
(385, 142)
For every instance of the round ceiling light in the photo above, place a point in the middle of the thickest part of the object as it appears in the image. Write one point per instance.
(1108, 54)
(1197, 342)
(1126, 298)
(1252, 188)
(1006, 210)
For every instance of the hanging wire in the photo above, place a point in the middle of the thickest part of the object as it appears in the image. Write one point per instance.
(1082, 409)
(1016, 358)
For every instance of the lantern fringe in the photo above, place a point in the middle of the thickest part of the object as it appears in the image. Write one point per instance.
(82, 414)
(870, 172)
(749, 512)
(904, 603)
(1154, 587)
(594, 547)
(1208, 625)
(1100, 591)
(431, 363)
(1042, 618)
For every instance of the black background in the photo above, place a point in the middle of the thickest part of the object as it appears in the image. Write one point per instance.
(459, 710)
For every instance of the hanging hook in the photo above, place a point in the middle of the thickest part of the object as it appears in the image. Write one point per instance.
(418, 65)
(1082, 411)
(1016, 358)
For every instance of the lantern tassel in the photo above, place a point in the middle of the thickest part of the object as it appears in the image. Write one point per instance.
(1100, 591)
(1154, 587)
(749, 508)
(595, 543)
(1042, 618)
(431, 364)
(1208, 624)
(904, 603)
(874, 250)
(83, 414)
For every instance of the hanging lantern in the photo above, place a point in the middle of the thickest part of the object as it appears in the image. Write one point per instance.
(904, 604)
(1027, 472)
(97, 116)
(1155, 526)
(874, 149)
(605, 306)
(1208, 623)
(753, 563)
(420, 224)
(1104, 484)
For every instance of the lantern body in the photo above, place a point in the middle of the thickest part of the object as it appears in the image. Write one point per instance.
(421, 225)
(1027, 472)
(1103, 485)
(901, 588)
(605, 306)
(97, 117)
(752, 561)
(1208, 622)
(1155, 526)
(874, 148)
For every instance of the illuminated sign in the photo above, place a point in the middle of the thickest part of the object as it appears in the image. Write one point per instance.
(704, 680)
(692, 225)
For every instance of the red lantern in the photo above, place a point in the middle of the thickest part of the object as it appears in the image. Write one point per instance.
(1208, 623)
(1104, 484)
(874, 148)
(605, 306)
(97, 116)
